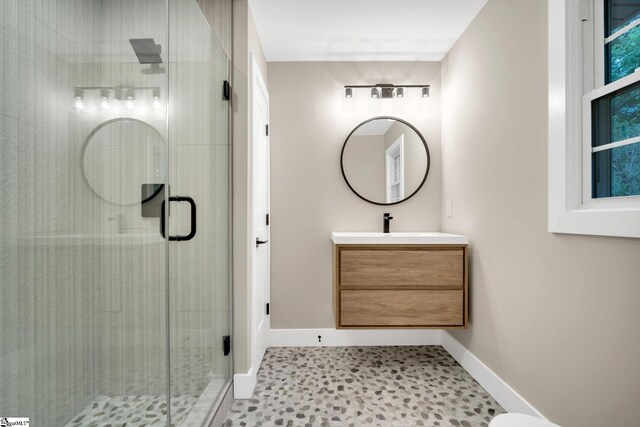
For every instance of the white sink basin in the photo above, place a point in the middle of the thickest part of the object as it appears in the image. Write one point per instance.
(424, 238)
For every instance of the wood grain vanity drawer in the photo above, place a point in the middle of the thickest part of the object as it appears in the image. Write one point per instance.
(401, 308)
(410, 269)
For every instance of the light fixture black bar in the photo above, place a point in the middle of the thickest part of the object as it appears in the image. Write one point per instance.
(383, 85)
(117, 87)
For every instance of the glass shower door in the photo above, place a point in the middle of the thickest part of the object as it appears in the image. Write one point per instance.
(108, 109)
(83, 271)
(199, 269)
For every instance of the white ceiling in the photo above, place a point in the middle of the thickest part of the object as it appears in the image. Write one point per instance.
(361, 30)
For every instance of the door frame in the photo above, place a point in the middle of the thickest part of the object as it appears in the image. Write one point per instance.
(257, 343)
(396, 147)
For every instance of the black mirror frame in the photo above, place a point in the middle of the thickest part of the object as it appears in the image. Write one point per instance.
(84, 149)
(426, 149)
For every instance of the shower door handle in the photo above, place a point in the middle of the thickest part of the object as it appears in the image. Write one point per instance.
(192, 233)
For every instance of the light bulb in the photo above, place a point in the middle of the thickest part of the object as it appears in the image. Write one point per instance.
(425, 92)
(130, 97)
(104, 99)
(348, 92)
(78, 104)
(156, 99)
(375, 92)
(399, 92)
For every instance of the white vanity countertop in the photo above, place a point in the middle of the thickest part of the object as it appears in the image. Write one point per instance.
(417, 238)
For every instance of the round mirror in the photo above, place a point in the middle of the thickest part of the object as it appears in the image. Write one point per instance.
(385, 160)
(121, 155)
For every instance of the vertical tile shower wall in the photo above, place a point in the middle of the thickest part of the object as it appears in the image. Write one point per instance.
(131, 353)
(47, 292)
(82, 280)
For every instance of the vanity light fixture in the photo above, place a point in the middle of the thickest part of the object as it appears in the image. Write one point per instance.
(125, 94)
(385, 90)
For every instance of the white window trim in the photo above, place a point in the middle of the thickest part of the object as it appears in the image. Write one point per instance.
(567, 213)
(396, 147)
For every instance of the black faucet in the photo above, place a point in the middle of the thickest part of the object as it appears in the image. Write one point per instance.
(386, 218)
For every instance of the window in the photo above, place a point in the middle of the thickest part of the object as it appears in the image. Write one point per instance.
(612, 105)
(622, 37)
(615, 143)
(594, 117)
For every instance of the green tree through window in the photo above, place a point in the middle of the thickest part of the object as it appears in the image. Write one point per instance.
(617, 170)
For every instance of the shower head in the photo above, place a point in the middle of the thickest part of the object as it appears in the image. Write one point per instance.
(147, 51)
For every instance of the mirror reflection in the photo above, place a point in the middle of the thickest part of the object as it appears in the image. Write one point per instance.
(385, 160)
(121, 155)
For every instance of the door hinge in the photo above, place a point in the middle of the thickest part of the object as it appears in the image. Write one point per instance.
(226, 90)
(267, 309)
(226, 345)
(267, 130)
(266, 221)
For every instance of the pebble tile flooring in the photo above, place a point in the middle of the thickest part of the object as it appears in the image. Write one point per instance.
(133, 411)
(363, 386)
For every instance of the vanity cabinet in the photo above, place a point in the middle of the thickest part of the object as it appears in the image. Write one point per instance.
(400, 286)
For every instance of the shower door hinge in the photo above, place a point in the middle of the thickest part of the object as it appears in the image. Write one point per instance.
(226, 345)
(267, 130)
(266, 221)
(267, 309)
(226, 90)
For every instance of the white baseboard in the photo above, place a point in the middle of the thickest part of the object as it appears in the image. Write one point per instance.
(243, 384)
(502, 392)
(351, 337)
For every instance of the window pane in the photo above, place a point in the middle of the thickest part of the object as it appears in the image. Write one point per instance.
(616, 172)
(623, 55)
(619, 13)
(616, 117)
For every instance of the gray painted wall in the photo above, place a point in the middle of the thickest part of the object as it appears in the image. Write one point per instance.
(554, 315)
(310, 119)
(363, 161)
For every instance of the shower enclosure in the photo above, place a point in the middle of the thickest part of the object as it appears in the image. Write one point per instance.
(114, 205)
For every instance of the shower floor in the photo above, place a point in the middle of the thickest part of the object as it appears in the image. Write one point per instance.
(133, 411)
(148, 410)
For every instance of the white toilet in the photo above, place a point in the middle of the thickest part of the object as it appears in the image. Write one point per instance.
(519, 420)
